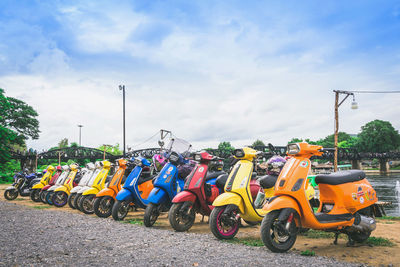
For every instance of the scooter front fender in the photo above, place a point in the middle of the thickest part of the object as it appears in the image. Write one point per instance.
(282, 202)
(61, 188)
(124, 195)
(157, 196)
(184, 196)
(10, 187)
(106, 192)
(229, 198)
(38, 186)
(91, 191)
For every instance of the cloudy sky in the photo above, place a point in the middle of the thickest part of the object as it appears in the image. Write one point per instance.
(209, 71)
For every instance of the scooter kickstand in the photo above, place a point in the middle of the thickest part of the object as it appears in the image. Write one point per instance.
(351, 242)
(202, 219)
(336, 238)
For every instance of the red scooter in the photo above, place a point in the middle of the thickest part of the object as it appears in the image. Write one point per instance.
(52, 182)
(200, 190)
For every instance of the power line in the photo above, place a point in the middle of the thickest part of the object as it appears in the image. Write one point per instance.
(375, 92)
(147, 139)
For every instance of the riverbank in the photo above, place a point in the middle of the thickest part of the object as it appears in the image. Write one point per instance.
(314, 242)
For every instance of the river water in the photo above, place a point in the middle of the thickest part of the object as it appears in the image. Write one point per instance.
(388, 189)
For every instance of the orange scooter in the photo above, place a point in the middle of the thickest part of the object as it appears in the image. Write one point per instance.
(106, 197)
(346, 202)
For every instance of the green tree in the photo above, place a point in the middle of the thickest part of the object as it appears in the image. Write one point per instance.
(329, 141)
(63, 143)
(258, 143)
(225, 148)
(74, 144)
(295, 140)
(115, 150)
(378, 136)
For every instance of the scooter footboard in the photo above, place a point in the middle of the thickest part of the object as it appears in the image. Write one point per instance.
(228, 198)
(157, 196)
(124, 195)
(184, 196)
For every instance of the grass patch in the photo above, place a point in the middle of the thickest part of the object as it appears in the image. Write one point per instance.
(307, 252)
(41, 207)
(252, 242)
(19, 199)
(390, 218)
(318, 234)
(379, 241)
(134, 221)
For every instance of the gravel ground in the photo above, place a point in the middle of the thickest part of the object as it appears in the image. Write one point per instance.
(41, 237)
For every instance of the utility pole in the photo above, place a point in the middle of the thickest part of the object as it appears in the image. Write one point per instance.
(122, 87)
(80, 127)
(337, 105)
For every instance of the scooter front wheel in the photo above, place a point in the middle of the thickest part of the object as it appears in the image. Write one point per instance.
(11, 194)
(71, 200)
(151, 214)
(224, 226)
(181, 217)
(103, 206)
(273, 236)
(42, 195)
(35, 195)
(77, 202)
(120, 210)
(59, 199)
(86, 203)
(49, 197)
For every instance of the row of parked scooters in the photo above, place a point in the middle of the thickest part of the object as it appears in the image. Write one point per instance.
(283, 201)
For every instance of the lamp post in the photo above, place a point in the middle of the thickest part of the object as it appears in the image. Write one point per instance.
(337, 105)
(122, 87)
(80, 128)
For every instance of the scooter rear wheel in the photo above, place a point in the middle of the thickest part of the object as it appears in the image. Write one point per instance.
(71, 200)
(86, 203)
(35, 195)
(120, 210)
(151, 214)
(219, 227)
(59, 199)
(10, 194)
(103, 206)
(181, 222)
(275, 239)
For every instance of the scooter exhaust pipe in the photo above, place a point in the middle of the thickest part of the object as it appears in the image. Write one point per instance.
(366, 224)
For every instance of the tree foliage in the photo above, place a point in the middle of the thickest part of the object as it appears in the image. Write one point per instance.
(63, 143)
(115, 150)
(378, 136)
(258, 142)
(17, 123)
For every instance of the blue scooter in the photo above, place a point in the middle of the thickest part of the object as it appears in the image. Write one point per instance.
(135, 190)
(22, 184)
(166, 185)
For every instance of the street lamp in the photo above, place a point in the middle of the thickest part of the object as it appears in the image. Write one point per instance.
(337, 105)
(122, 87)
(80, 127)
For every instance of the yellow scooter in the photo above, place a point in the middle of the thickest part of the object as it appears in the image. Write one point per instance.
(35, 193)
(243, 197)
(61, 193)
(88, 196)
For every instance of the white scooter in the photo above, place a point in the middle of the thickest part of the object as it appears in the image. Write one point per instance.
(90, 172)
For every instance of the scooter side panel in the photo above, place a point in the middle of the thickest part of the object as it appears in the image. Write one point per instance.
(38, 186)
(228, 198)
(62, 188)
(124, 195)
(76, 189)
(91, 191)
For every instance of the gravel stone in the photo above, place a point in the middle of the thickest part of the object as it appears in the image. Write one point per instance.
(31, 237)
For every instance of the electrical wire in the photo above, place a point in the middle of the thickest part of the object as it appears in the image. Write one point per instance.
(375, 92)
(147, 140)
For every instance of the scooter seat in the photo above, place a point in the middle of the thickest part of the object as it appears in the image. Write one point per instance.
(340, 177)
(213, 175)
(221, 181)
(267, 181)
(145, 178)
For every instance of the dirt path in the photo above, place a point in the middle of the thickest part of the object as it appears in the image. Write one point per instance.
(376, 255)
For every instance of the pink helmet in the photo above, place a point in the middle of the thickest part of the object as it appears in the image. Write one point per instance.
(159, 161)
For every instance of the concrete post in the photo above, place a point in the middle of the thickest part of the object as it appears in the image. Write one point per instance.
(356, 164)
(384, 167)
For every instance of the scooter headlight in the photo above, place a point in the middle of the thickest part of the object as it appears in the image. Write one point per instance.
(174, 157)
(293, 149)
(137, 162)
(239, 153)
(197, 157)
